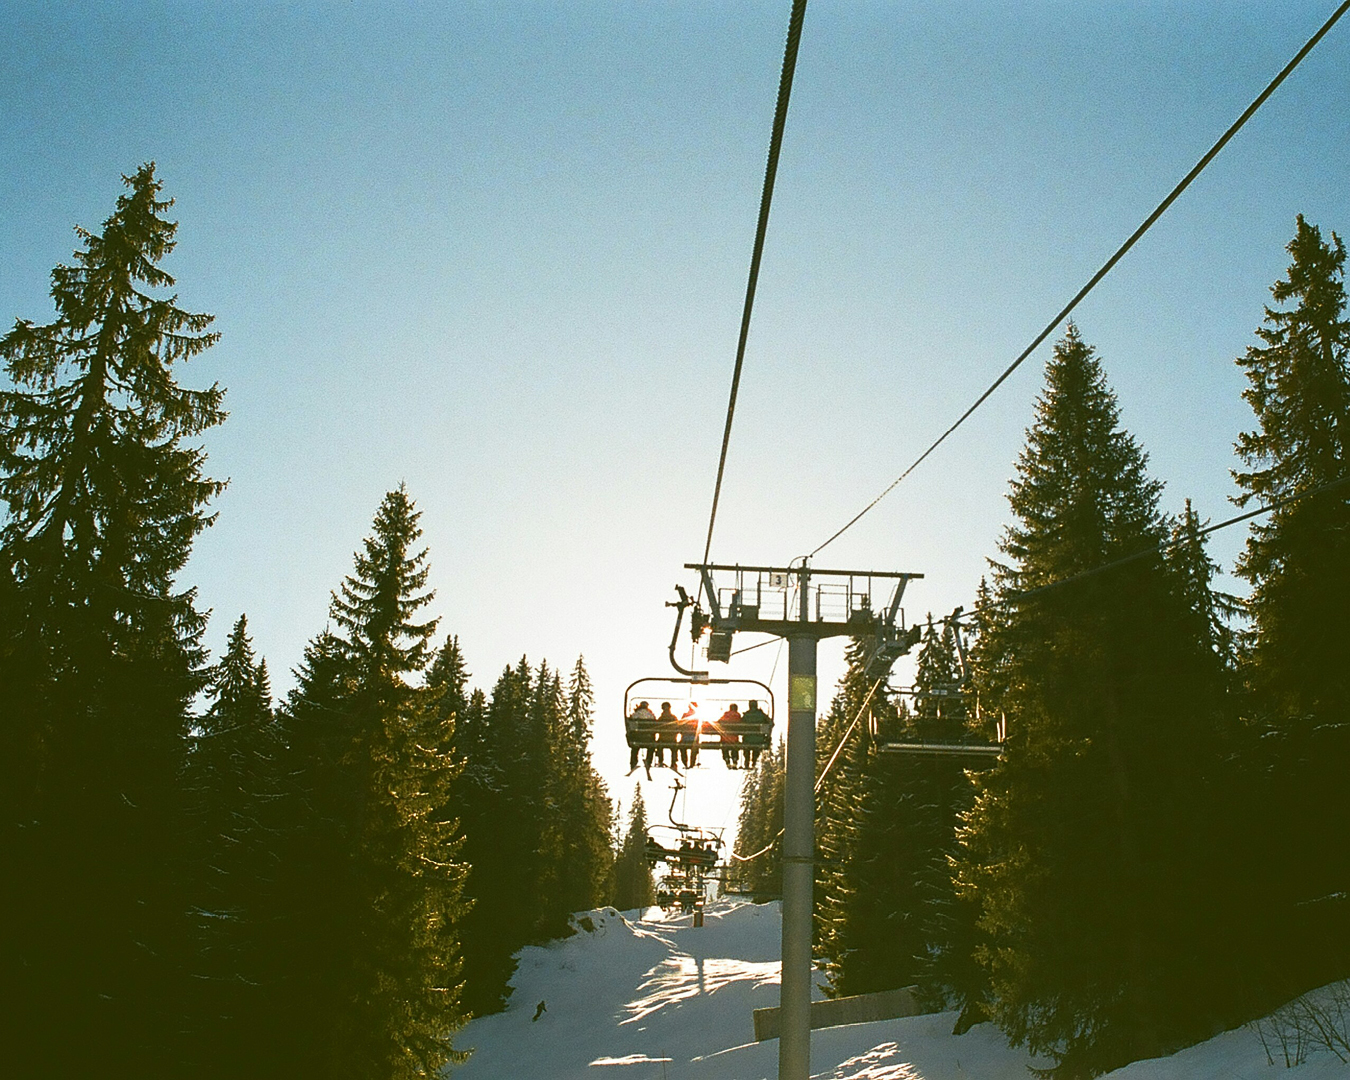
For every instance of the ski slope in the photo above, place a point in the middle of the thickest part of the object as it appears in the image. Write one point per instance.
(648, 997)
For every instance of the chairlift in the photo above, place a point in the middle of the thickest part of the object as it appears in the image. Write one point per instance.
(970, 746)
(687, 715)
(695, 855)
(677, 892)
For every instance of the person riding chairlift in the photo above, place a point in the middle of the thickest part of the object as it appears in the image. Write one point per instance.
(729, 725)
(689, 732)
(642, 712)
(754, 742)
(667, 734)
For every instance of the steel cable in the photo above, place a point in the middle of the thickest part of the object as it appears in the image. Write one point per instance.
(770, 173)
(1101, 273)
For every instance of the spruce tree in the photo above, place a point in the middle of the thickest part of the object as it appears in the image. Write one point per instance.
(576, 841)
(759, 828)
(103, 489)
(448, 676)
(235, 788)
(1297, 561)
(381, 791)
(886, 887)
(554, 880)
(943, 793)
(407, 970)
(958, 969)
(499, 793)
(837, 807)
(1103, 944)
(317, 907)
(633, 885)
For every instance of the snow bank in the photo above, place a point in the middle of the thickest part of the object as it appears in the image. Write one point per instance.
(649, 997)
(646, 996)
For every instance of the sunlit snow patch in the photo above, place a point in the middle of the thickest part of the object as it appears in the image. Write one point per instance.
(876, 1064)
(629, 1059)
(682, 976)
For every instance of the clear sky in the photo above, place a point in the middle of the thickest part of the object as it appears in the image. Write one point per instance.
(498, 251)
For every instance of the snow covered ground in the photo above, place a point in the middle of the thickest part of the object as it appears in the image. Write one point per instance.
(649, 997)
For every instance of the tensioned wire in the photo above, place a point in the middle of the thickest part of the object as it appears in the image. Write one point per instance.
(1097, 277)
(770, 173)
(1152, 549)
(1040, 590)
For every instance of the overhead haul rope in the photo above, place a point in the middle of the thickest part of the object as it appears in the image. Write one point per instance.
(1237, 519)
(1101, 273)
(1162, 546)
(775, 145)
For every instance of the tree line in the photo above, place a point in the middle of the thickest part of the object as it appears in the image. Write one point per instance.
(197, 879)
(1161, 852)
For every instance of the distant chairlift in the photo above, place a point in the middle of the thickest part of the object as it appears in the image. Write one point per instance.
(691, 864)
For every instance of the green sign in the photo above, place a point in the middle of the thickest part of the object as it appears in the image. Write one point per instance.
(802, 693)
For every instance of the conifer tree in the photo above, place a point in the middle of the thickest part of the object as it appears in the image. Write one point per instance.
(577, 834)
(500, 795)
(633, 885)
(235, 787)
(738, 878)
(1297, 561)
(449, 676)
(103, 491)
(395, 972)
(536, 816)
(557, 761)
(1103, 944)
(957, 968)
(838, 802)
(886, 890)
(760, 826)
(943, 793)
(317, 906)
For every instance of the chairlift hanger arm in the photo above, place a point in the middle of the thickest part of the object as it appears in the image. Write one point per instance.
(675, 794)
(680, 604)
(894, 608)
(710, 588)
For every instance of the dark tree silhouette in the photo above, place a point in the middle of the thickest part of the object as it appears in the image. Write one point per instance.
(100, 654)
(633, 884)
(390, 871)
(1297, 659)
(1089, 845)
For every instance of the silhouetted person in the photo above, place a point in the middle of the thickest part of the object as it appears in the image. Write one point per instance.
(730, 727)
(754, 741)
(689, 726)
(642, 712)
(668, 734)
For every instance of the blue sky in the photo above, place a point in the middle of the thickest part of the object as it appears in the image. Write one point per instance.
(498, 251)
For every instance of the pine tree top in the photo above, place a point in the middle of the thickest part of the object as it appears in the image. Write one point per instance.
(1081, 493)
(239, 684)
(377, 603)
(92, 431)
(1299, 380)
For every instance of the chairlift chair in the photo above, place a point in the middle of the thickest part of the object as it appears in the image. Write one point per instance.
(698, 706)
(970, 747)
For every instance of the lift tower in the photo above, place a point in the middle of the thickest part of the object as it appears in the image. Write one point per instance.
(803, 605)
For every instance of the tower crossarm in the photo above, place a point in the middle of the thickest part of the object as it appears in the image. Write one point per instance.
(800, 600)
